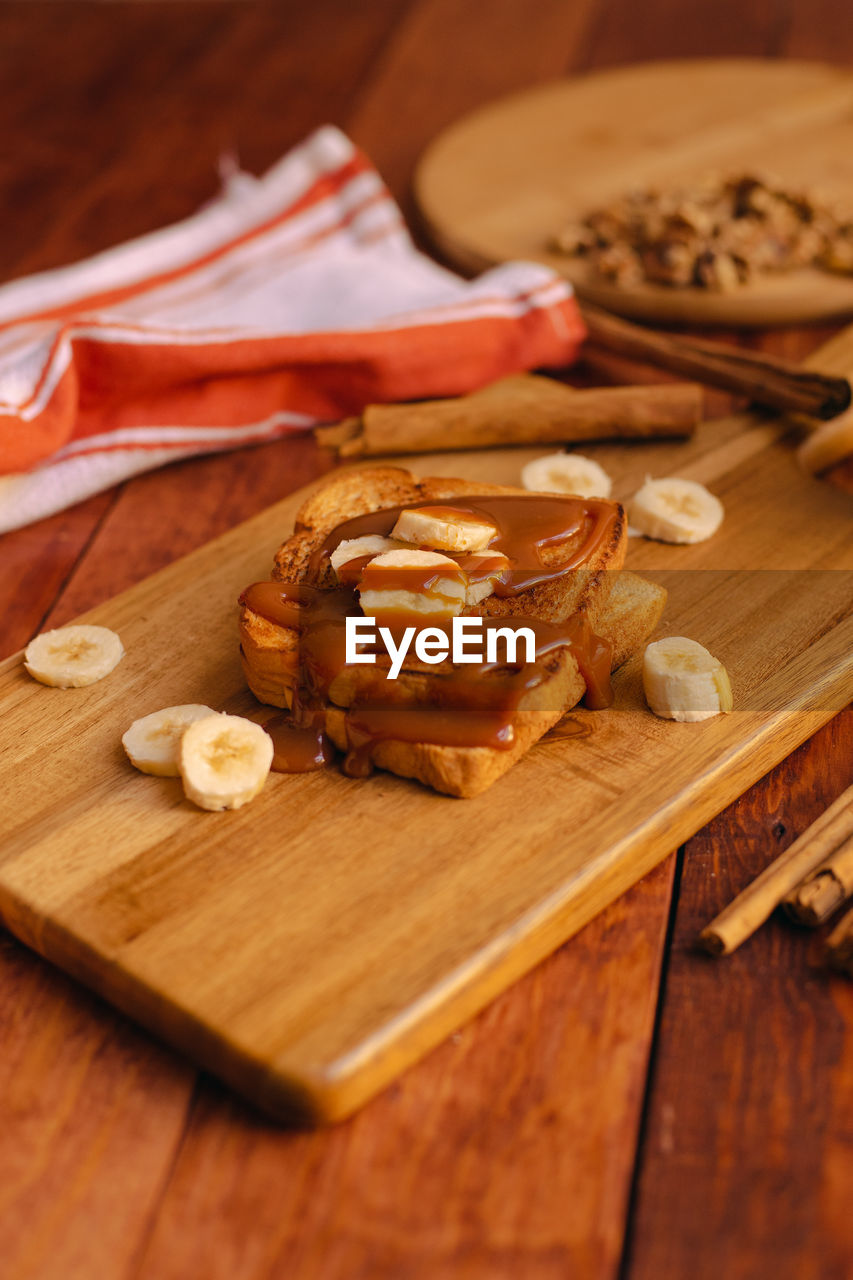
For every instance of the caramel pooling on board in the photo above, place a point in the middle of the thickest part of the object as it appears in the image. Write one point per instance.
(521, 409)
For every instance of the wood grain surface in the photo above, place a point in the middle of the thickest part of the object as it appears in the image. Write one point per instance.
(292, 947)
(536, 1144)
(501, 183)
(729, 1106)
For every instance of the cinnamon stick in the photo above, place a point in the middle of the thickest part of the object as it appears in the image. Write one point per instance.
(521, 409)
(764, 379)
(822, 892)
(756, 903)
(839, 945)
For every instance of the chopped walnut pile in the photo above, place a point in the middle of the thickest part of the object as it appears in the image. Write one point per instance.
(717, 235)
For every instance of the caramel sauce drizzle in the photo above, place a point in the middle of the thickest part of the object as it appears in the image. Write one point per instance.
(471, 707)
(450, 513)
(298, 749)
(423, 580)
(526, 524)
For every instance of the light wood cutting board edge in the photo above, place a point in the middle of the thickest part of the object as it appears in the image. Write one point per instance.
(331, 1094)
(296, 1096)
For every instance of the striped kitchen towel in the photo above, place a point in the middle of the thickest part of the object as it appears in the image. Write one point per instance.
(291, 299)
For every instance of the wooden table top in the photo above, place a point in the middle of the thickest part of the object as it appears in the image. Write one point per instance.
(630, 1109)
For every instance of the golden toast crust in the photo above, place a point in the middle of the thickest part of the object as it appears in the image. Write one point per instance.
(270, 652)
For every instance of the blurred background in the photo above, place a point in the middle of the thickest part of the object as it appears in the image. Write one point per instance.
(117, 113)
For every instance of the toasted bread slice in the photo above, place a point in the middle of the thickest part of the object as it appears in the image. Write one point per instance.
(270, 653)
(619, 606)
(631, 614)
(358, 491)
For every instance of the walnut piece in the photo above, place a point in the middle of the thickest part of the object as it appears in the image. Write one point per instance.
(717, 234)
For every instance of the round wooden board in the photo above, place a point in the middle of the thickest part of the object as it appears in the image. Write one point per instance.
(499, 183)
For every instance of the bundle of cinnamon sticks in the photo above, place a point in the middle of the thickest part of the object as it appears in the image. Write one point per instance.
(527, 409)
(811, 880)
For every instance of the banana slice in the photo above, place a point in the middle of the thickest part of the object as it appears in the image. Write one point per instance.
(829, 444)
(567, 473)
(224, 761)
(482, 570)
(447, 528)
(412, 582)
(683, 681)
(152, 742)
(675, 510)
(71, 657)
(371, 544)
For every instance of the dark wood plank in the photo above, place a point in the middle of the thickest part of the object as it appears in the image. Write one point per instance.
(144, 99)
(35, 564)
(450, 57)
(819, 29)
(747, 1140)
(91, 1112)
(224, 78)
(702, 29)
(747, 1163)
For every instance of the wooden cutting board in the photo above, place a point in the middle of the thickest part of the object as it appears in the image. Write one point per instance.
(309, 946)
(499, 183)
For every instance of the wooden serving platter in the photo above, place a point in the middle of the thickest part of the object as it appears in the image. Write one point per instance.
(499, 183)
(309, 946)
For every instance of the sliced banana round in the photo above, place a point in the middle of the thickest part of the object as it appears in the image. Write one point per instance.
(683, 681)
(370, 544)
(829, 444)
(482, 570)
(674, 510)
(445, 528)
(224, 761)
(567, 473)
(444, 597)
(152, 742)
(71, 657)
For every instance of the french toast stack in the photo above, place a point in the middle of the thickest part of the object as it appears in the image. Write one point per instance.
(618, 607)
